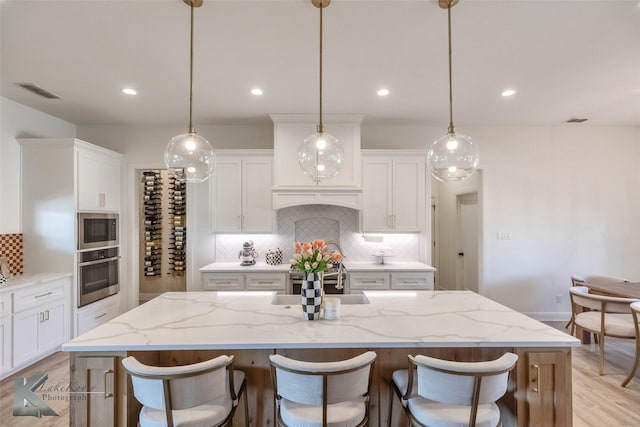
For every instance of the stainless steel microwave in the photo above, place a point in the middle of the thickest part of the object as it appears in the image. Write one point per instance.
(98, 230)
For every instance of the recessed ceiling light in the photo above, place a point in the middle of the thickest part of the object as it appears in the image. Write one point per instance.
(508, 92)
(129, 91)
(383, 92)
(256, 91)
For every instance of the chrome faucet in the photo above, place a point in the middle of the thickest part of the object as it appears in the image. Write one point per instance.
(340, 266)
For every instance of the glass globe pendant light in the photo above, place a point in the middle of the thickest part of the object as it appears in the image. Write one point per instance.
(320, 155)
(452, 157)
(189, 157)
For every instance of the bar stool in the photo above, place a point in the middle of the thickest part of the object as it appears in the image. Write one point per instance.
(322, 394)
(201, 394)
(451, 394)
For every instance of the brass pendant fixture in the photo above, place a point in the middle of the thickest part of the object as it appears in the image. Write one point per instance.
(189, 157)
(453, 156)
(320, 155)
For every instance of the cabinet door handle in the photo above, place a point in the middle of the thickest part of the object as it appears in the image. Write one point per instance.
(102, 315)
(44, 295)
(46, 316)
(41, 316)
(107, 372)
(389, 221)
(536, 380)
(240, 221)
(394, 221)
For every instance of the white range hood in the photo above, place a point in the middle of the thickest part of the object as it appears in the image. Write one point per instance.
(291, 186)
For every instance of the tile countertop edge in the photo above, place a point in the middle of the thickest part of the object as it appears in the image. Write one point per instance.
(18, 282)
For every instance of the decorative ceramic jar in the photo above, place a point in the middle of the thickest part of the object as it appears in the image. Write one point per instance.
(311, 295)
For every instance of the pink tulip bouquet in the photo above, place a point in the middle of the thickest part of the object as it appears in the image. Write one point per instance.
(313, 257)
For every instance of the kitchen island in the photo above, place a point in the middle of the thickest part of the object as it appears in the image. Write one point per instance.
(180, 328)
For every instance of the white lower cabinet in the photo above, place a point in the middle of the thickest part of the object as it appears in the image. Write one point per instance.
(97, 313)
(40, 320)
(5, 342)
(369, 281)
(245, 281)
(397, 280)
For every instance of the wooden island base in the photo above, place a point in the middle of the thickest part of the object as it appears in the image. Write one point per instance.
(540, 386)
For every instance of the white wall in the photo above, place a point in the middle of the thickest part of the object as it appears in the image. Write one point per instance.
(19, 121)
(569, 194)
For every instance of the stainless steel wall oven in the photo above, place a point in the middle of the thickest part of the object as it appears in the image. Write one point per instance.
(98, 274)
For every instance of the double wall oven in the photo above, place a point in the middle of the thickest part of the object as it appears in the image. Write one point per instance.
(98, 256)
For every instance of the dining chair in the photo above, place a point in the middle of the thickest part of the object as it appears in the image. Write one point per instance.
(449, 393)
(310, 394)
(200, 394)
(635, 311)
(607, 316)
(577, 282)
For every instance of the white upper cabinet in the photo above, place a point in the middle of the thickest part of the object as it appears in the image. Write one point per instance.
(393, 191)
(98, 180)
(291, 130)
(241, 194)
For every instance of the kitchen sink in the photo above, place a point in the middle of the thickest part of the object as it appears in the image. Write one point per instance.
(349, 299)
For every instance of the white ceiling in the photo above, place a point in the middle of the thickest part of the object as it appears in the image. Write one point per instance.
(565, 58)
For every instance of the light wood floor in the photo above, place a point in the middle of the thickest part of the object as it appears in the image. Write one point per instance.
(597, 400)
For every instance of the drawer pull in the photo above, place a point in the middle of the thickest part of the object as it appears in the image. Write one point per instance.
(102, 315)
(222, 283)
(107, 372)
(536, 381)
(265, 282)
(410, 282)
(44, 295)
(369, 281)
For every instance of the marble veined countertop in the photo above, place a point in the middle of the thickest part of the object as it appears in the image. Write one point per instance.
(261, 267)
(249, 320)
(24, 280)
(235, 267)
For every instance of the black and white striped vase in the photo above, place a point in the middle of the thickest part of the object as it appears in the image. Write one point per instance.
(311, 295)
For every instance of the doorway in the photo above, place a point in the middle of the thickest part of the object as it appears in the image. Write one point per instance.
(467, 227)
(456, 233)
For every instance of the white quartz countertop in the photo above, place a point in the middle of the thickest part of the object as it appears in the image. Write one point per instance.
(387, 266)
(261, 267)
(18, 282)
(235, 267)
(248, 320)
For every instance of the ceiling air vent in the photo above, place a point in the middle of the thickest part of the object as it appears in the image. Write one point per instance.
(38, 90)
(576, 120)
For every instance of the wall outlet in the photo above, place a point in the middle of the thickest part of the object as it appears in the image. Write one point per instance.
(503, 235)
(558, 298)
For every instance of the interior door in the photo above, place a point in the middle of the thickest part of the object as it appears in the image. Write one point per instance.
(467, 262)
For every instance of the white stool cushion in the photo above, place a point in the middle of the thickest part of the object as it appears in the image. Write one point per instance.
(620, 325)
(435, 414)
(344, 414)
(210, 414)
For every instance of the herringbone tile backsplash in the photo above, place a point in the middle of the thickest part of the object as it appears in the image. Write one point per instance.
(304, 223)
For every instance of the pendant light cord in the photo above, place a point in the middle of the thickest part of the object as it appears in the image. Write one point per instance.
(191, 129)
(451, 130)
(320, 124)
